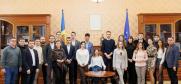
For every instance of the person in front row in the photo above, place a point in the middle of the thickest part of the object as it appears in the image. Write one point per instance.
(58, 59)
(30, 63)
(160, 55)
(71, 61)
(11, 61)
(140, 57)
(82, 56)
(120, 60)
(96, 64)
(170, 60)
(152, 53)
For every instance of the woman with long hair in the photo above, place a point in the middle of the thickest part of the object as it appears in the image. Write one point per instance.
(131, 64)
(120, 60)
(152, 53)
(160, 55)
(96, 64)
(121, 38)
(140, 57)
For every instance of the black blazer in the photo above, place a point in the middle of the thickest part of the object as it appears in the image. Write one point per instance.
(48, 50)
(28, 61)
(71, 54)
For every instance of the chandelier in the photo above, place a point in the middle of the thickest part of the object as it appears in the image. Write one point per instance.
(97, 1)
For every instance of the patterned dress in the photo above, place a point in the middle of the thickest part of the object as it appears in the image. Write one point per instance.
(152, 54)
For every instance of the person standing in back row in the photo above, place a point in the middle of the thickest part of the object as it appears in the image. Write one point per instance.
(107, 48)
(89, 45)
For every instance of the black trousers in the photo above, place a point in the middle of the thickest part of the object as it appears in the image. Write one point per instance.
(158, 74)
(59, 74)
(45, 74)
(172, 74)
(132, 77)
(29, 78)
(73, 72)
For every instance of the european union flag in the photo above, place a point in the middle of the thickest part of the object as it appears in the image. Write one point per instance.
(126, 27)
(62, 23)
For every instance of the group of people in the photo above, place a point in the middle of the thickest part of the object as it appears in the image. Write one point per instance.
(130, 59)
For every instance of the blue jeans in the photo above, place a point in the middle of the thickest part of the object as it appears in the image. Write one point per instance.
(11, 75)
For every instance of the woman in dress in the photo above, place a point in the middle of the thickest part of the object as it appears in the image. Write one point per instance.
(152, 54)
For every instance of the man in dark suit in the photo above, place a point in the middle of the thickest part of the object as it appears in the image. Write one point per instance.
(74, 41)
(171, 60)
(140, 38)
(30, 63)
(71, 61)
(47, 59)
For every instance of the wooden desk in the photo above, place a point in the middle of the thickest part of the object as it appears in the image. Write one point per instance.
(100, 74)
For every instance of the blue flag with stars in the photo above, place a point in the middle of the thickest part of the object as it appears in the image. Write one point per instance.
(126, 27)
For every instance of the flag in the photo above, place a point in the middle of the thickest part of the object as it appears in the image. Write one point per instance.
(126, 27)
(62, 23)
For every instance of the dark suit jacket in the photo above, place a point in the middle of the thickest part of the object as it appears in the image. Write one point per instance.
(28, 61)
(48, 50)
(71, 54)
(172, 57)
(77, 45)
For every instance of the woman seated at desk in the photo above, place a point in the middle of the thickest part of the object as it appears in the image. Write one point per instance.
(97, 64)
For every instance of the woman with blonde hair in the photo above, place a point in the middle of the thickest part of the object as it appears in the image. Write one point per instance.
(120, 60)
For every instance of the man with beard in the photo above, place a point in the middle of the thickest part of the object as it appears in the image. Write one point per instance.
(21, 45)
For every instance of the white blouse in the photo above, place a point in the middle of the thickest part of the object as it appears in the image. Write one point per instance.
(160, 53)
(82, 56)
(97, 60)
(163, 56)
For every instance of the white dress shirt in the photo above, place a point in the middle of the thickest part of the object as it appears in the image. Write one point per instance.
(68, 48)
(33, 57)
(52, 45)
(82, 56)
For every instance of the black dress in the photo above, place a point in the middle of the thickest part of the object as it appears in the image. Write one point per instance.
(132, 77)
